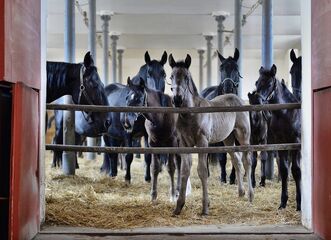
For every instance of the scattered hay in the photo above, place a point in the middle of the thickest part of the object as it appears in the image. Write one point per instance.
(90, 199)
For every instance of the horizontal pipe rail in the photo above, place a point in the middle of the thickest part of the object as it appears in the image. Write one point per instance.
(244, 108)
(174, 150)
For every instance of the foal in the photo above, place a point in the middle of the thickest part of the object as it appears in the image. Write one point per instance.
(203, 128)
(160, 127)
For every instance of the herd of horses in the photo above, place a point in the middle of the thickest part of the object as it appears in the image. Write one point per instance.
(82, 82)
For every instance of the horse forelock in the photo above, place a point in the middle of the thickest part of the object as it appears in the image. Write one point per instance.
(184, 73)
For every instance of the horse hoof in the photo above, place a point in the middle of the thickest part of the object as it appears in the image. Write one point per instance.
(148, 179)
(204, 213)
(176, 212)
(232, 182)
(251, 197)
(241, 193)
(299, 208)
(262, 184)
(223, 180)
(281, 207)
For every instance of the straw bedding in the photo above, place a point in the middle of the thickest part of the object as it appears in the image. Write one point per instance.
(91, 199)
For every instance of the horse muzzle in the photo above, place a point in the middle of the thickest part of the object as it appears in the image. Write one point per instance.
(177, 101)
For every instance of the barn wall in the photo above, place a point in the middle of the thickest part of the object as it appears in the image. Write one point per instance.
(42, 100)
(306, 116)
(321, 83)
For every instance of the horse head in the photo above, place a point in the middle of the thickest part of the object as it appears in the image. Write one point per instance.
(135, 97)
(230, 76)
(154, 72)
(266, 85)
(296, 74)
(88, 89)
(181, 81)
(257, 116)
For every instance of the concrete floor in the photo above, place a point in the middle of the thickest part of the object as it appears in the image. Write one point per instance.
(209, 232)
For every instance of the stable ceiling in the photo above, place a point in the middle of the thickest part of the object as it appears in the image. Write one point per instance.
(177, 24)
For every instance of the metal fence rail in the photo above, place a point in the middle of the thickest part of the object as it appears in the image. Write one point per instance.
(244, 108)
(174, 150)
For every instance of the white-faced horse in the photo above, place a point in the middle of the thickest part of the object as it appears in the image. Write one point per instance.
(203, 128)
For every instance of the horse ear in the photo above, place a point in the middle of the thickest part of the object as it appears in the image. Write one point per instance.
(88, 60)
(236, 54)
(172, 61)
(220, 56)
(188, 61)
(164, 58)
(283, 82)
(249, 95)
(293, 56)
(147, 58)
(129, 82)
(273, 70)
(142, 83)
(261, 70)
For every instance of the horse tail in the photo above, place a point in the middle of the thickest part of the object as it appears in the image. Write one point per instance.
(49, 122)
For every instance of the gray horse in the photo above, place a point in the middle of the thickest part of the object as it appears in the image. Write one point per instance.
(201, 129)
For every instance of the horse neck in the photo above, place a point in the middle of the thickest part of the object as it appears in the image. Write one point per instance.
(61, 78)
(153, 100)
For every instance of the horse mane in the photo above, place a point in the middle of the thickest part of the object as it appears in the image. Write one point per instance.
(113, 87)
(289, 97)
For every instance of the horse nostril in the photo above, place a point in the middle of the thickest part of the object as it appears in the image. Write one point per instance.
(178, 100)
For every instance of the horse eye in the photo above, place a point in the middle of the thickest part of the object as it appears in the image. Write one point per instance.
(172, 89)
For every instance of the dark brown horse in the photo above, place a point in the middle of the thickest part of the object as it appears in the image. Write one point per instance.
(284, 127)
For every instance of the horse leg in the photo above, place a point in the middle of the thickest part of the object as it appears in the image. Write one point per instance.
(203, 175)
(283, 166)
(113, 158)
(148, 160)
(106, 157)
(178, 167)
(155, 167)
(254, 163)
(233, 176)
(128, 159)
(237, 164)
(223, 161)
(185, 169)
(296, 173)
(171, 170)
(248, 168)
(263, 156)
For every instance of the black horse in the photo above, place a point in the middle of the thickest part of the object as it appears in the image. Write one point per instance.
(122, 133)
(82, 82)
(296, 75)
(259, 134)
(230, 78)
(284, 127)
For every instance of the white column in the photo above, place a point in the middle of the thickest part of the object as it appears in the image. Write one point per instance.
(114, 39)
(120, 66)
(209, 46)
(201, 52)
(69, 158)
(105, 34)
(237, 40)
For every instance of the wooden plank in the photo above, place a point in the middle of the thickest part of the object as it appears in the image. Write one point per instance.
(24, 185)
(174, 150)
(193, 230)
(244, 108)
